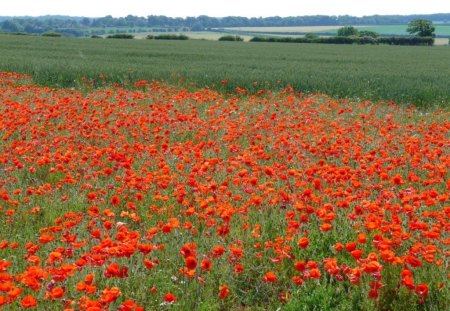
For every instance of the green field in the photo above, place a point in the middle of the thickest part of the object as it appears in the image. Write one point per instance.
(441, 30)
(416, 75)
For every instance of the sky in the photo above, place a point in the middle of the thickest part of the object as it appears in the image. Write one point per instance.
(184, 8)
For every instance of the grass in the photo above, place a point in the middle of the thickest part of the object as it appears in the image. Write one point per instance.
(417, 75)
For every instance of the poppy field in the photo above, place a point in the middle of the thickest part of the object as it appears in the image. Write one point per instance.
(155, 197)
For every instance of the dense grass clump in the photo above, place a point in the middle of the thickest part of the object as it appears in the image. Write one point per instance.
(231, 38)
(52, 34)
(171, 37)
(120, 36)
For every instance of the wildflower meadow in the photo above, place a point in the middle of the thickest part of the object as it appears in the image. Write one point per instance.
(156, 197)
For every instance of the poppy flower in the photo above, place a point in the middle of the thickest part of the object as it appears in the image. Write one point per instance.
(56, 292)
(270, 277)
(422, 289)
(115, 200)
(224, 291)
(303, 242)
(191, 262)
(169, 298)
(28, 302)
(206, 265)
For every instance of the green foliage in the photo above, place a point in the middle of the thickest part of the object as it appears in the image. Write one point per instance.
(11, 26)
(51, 34)
(150, 37)
(230, 38)
(401, 73)
(311, 36)
(171, 37)
(368, 33)
(421, 28)
(120, 36)
(347, 31)
(95, 37)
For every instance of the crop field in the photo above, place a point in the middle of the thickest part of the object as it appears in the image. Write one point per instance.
(286, 29)
(158, 197)
(417, 75)
(441, 29)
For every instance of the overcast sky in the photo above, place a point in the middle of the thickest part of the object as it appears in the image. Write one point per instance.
(183, 8)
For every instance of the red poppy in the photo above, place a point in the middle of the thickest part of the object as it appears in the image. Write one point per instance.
(270, 277)
(28, 302)
(206, 265)
(303, 242)
(191, 262)
(169, 298)
(224, 291)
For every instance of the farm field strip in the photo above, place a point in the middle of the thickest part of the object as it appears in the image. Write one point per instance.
(417, 75)
(159, 197)
(441, 30)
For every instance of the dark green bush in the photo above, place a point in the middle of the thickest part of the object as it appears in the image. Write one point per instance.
(406, 41)
(96, 37)
(366, 40)
(347, 31)
(150, 37)
(51, 34)
(120, 36)
(171, 37)
(230, 38)
(19, 33)
(258, 39)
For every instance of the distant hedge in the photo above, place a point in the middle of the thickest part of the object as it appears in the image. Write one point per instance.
(120, 36)
(171, 37)
(51, 34)
(406, 41)
(230, 38)
(18, 33)
(349, 40)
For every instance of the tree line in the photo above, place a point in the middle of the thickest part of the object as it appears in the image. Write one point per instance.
(79, 25)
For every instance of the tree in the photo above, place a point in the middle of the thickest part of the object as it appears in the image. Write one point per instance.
(347, 31)
(421, 28)
(86, 22)
(11, 26)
